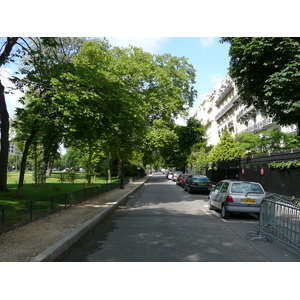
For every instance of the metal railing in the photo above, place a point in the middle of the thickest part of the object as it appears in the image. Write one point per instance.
(280, 220)
(27, 211)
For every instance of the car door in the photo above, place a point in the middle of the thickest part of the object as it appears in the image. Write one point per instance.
(223, 194)
(187, 182)
(215, 195)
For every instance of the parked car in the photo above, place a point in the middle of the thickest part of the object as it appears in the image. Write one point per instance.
(170, 175)
(231, 196)
(199, 183)
(176, 174)
(181, 179)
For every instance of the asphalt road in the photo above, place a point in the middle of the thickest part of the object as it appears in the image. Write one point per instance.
(163, 223)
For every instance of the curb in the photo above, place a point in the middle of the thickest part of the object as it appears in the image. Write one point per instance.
(54, 251)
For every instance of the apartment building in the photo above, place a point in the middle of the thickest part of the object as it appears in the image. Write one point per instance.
(221, 109)
(13, 149)
(206, 113)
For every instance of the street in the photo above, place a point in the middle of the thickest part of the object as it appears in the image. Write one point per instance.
(163, 223)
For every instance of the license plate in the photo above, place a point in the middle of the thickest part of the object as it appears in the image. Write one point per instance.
(248, 200)
(202, 184)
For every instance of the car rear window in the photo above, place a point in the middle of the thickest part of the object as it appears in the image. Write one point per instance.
(246, 187)
(200, 179)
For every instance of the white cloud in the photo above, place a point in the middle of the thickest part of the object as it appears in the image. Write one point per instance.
(207, 41)
(148, 44)
(11, 99)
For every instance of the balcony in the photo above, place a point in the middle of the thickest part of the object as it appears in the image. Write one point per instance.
(223, 94)
(244, 113)
(260, 126)
(232, 103)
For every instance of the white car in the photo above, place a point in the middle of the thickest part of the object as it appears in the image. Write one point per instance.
(170, 175)
(231, 196)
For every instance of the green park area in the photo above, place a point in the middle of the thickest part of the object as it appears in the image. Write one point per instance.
(57, 184)
(59, 191)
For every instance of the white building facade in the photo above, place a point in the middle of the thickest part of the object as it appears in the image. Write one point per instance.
(221, 109)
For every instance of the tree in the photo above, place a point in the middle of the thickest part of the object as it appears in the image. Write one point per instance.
(248, 143)
(137, 89)
(266, 71)
(41, 113)
(226, 149)
(265, 141)
(5, 56)
(191, 136)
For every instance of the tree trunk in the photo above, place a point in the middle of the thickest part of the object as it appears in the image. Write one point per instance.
(4, 140)
(4, 117)
(50, 166)
(24, 158)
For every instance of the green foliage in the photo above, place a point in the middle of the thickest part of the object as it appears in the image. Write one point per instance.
(198, 156)
(226, 149)
(248, 143)
(284, 165)
(266, 71)
(266, 141)
(93, 97)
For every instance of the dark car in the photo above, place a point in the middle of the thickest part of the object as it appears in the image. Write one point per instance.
(198, 183)
(181, 179)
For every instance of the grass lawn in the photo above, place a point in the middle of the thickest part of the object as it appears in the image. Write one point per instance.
(37, 200)
(52, 187)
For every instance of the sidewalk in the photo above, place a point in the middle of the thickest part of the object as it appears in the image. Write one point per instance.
(47, 238)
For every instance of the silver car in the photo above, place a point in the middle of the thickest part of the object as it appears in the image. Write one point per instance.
(236, 196)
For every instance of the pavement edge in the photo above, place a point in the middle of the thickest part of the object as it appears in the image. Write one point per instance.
(54, 251)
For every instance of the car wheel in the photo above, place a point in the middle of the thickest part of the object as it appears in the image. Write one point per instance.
(190, 190)
(224, 212)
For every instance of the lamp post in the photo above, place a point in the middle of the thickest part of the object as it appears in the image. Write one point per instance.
(121, 173)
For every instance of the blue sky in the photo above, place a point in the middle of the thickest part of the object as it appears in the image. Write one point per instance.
(207, 55)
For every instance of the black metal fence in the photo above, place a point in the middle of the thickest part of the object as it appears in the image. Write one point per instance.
(279, 180)
(18, 215)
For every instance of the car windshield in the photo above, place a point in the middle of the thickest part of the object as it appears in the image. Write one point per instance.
(246, 187)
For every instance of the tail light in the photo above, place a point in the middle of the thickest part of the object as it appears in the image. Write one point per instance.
(210, 184)
(229, 199)
(192, 183)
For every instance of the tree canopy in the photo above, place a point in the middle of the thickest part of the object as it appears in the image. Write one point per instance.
(226, 149)
(90, 95)
(266, 71)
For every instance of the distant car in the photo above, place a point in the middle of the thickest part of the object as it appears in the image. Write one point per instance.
(176, 174)
(181, 179)
(178, 179)
(199, 183)
(231, 196)
(170, 175)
